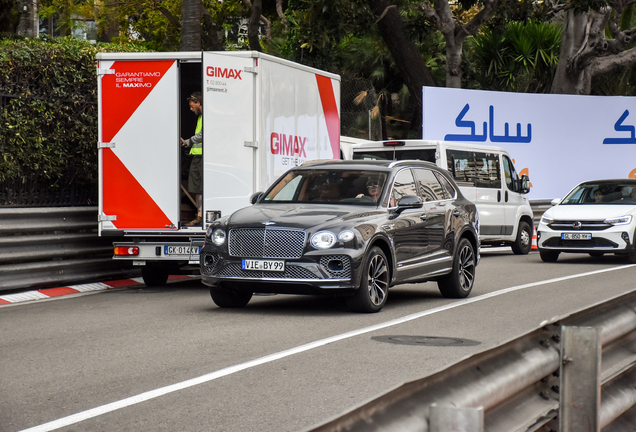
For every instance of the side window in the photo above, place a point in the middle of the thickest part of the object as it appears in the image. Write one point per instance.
(462, 165)
(512, 179)
(428, 187)
(403, 184)
(487, 170)
(449, 190)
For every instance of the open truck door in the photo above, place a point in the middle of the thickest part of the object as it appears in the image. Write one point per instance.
(138, 145)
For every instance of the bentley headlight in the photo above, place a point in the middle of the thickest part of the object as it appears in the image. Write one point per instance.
(323, 239)
(345, 236)
(622, 220)
(218, 237)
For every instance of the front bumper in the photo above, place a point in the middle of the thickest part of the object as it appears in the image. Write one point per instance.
(616, 239)
(324, 270)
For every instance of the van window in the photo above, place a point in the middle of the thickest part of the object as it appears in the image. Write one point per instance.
(427, 155)
(474, 168)
(428, 186)
(462, 165)
(512, 179)
(374, 155)
(487, 170)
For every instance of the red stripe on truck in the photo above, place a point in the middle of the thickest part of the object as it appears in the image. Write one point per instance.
(126, 89)
(126, 199)
(330, 108)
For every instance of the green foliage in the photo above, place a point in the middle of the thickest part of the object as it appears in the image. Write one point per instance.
(522, 59)
(48, 126)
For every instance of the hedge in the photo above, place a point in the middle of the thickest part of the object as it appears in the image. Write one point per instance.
(48, 114)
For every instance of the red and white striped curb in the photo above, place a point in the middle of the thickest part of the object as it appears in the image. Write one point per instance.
(76, 289)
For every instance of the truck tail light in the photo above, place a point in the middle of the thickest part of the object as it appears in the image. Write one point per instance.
(126, 250)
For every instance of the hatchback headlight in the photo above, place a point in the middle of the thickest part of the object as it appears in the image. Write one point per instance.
(323, 239)
(622, 220)
(218, 237)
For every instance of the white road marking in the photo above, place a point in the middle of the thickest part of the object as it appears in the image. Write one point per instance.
(152, 394)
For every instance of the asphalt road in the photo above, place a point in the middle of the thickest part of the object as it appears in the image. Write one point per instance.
(168, 359)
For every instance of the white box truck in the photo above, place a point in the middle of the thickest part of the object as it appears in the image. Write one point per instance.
(261, 116)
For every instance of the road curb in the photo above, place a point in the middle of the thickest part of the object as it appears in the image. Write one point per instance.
(48, 293)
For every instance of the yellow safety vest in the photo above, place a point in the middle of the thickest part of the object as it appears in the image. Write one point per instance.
(197, 148)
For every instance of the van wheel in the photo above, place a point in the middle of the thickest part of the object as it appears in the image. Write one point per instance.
(549, 256)
(230, 297)
(523, 244)
(154, 276)
(459, 282)
(374, 285)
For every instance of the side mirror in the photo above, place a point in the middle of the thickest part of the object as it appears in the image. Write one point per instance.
(255, 197)
(555, 201)
(525, 184)
(409, 202)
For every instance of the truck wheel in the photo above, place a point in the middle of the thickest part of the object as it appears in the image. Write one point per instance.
(374, 284)
(459, 282)
(229, 297)
(549, 256)
(154, 276)
(523, 244)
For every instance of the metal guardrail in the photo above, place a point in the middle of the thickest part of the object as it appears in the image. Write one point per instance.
(42, 247)
(572, 375)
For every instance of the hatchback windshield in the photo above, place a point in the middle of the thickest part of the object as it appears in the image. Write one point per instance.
(603, 193)
(328, 186)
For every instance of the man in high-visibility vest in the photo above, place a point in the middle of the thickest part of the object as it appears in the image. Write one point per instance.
(195, 144)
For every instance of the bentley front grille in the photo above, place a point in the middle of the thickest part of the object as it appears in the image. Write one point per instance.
(266, 243)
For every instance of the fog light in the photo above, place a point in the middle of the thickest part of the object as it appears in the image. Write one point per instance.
(538, 235)
(625, 237)
(335, 265)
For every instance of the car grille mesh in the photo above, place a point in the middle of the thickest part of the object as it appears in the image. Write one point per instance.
(584, 244)
(345, 273)
(266, 243)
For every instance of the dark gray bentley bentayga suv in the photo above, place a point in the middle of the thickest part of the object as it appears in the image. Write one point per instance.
(353, 228)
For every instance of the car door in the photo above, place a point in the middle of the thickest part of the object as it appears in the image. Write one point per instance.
(407, 229)
(438, 209)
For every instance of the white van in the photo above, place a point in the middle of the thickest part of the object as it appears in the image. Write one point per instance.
(485, 175)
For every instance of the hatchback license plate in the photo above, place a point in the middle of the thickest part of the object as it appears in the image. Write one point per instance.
(181, 250)
(263, 265)
(576, 236)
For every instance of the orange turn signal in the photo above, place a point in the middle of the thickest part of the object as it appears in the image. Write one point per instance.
(126, 250)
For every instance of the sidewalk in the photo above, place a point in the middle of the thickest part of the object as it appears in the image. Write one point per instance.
(76, 289)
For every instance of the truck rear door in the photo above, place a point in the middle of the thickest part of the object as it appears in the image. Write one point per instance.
(229, 146)
(138, 145)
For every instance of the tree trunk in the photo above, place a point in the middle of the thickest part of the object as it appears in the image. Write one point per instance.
(191, 11)
(567, 79)
(405, 53)
(252, 28)
(28, 25)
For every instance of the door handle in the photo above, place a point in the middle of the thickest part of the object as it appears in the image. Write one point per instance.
(498, 196)
(506, 196)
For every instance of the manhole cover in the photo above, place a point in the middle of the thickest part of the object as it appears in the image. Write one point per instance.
(425, 340)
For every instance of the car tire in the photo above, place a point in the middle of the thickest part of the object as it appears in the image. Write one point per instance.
(154, 276)
(230, 297)
(549, 256)
(459, 282)
(373, 291)
(523, 243)
(597, 254)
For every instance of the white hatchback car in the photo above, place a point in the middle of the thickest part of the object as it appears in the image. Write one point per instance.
(596, 217)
